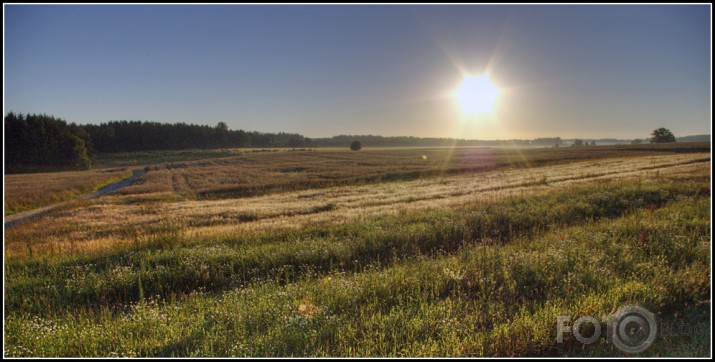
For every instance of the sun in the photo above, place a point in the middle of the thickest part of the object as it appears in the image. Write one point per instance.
(477, 94)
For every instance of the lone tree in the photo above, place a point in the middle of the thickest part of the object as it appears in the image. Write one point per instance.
(356, 145)
(662, 135)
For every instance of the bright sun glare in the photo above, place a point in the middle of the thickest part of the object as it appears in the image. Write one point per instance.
(477, 94)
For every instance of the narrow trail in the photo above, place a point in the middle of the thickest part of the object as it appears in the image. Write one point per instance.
(19, 218)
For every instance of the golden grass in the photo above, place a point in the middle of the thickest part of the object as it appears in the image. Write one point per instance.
(123, 221)
(30, 191)
(250, 174)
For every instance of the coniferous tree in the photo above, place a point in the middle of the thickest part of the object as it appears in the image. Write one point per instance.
(38, 142)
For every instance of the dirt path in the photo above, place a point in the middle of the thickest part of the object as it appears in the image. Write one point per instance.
(19, 218)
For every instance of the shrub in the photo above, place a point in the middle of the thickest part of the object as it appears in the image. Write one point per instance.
(356, 145)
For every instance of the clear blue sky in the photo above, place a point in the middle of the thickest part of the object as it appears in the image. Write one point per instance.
(571, 71)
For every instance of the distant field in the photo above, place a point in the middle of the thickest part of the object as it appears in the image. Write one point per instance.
(255, 173)
(125, 159)
(30, 191)
(465, 252)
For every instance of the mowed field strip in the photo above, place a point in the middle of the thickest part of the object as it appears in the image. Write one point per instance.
(113, 221)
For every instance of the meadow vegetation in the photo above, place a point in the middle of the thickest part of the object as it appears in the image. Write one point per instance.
(25, 192)
(256, 173)
(470, 252)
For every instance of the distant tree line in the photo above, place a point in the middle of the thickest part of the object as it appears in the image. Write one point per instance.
(38, 142)
(694, 138)
(128, 136)
(41, 142)
(407, 141)
(549, 141)
(580, 143)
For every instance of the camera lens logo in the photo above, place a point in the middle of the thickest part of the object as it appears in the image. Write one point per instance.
(632, 329)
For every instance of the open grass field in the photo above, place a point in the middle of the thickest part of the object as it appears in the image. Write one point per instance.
(30, 191)
(251, 173)
(386, 252)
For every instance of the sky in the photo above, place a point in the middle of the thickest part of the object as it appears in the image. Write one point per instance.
(587, 71)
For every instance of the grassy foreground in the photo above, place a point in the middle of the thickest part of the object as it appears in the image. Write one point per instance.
(481, 279)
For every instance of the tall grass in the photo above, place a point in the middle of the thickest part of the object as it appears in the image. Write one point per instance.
(170, 264)
(259, 173)
(25, 192)
(107, 223)
(484, 279)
